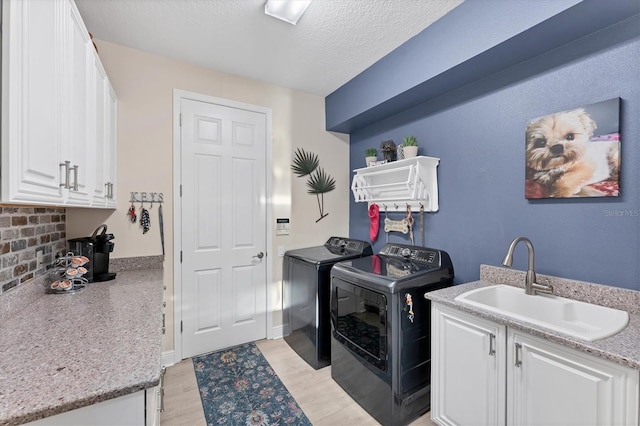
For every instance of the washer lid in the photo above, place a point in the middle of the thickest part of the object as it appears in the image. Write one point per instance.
(336, 249)
(397, 266)
(390, 268)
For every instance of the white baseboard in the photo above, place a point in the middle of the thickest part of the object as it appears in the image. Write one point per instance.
(168, 358)
(276, 332)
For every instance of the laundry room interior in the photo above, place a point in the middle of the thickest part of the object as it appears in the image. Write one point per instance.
(385, 212)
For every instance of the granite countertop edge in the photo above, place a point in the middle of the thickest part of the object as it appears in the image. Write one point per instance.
(134, 298)
(78, 403)
(621, 348)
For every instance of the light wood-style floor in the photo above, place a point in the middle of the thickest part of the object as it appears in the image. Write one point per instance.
(318, 395)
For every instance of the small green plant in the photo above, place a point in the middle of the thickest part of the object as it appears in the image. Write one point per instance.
(410, 141)
(371, 152)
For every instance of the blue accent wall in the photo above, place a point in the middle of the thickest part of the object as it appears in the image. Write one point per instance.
(477, 131)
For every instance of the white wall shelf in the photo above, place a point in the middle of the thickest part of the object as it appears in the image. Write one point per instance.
(410, 182)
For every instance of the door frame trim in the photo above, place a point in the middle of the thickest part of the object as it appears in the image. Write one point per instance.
(178, 96)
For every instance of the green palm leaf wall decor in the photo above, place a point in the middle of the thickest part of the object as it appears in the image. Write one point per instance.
(304, 162)
(307, 164)
(320, 182)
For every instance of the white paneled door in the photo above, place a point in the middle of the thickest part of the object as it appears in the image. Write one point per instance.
(223, 215)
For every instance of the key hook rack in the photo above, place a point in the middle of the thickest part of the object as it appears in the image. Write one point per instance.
(407, 206)
(146, 197)
(145, 219)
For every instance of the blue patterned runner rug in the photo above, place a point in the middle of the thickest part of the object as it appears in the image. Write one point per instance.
(239, 387)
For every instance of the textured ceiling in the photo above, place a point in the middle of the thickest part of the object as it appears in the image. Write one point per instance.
(333, 42)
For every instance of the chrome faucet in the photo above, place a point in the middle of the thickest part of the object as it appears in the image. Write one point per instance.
(530, 285)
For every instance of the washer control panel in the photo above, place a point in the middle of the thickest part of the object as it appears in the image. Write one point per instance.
(418, 254)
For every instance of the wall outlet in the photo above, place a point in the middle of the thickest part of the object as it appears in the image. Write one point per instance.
(280, 250)
(39, 255)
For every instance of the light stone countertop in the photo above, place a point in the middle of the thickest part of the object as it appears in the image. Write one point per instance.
(622, 348)
(66, 351)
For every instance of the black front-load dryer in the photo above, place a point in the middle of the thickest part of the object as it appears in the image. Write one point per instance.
(306, 287)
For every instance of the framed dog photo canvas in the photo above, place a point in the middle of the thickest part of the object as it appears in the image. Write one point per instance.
(574, 153)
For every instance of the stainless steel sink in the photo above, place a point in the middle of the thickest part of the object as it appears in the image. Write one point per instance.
(578, 319)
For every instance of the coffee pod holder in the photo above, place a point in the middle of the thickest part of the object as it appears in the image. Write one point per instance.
(66, 274)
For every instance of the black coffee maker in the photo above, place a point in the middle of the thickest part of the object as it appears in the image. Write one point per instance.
(96, 248)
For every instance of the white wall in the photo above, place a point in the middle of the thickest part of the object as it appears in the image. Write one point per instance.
(144, 85)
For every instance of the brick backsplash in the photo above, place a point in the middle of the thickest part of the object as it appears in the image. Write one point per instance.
(24, 232)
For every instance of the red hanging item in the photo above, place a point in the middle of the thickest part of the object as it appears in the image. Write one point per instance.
(374, 218)
(132, 214)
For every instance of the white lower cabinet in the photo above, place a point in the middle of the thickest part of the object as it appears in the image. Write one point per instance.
(549, 384)
(137, 409)
(155, 402)
(487, 374)
(153, 406)
(127, 410)
(467, 373)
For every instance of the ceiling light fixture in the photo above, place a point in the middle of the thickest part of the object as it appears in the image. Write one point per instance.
(287, 10)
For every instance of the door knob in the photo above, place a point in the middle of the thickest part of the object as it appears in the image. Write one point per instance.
(259, 255)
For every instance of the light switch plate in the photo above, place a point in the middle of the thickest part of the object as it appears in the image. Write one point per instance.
(282, 226)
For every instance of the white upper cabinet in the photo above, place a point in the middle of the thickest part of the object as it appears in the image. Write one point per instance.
(76, 131)
(54, 122)
(100, 82)
(110, 157)
(32, 86)
(105, 128)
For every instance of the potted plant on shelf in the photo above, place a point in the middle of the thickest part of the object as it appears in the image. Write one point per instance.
(410, 147)
(370, 155)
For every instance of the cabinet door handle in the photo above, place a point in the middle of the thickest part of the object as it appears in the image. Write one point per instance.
(108, 190)
(67, 170)
(492, 341)
(75, 177)
(517, 352)
(162, 400)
